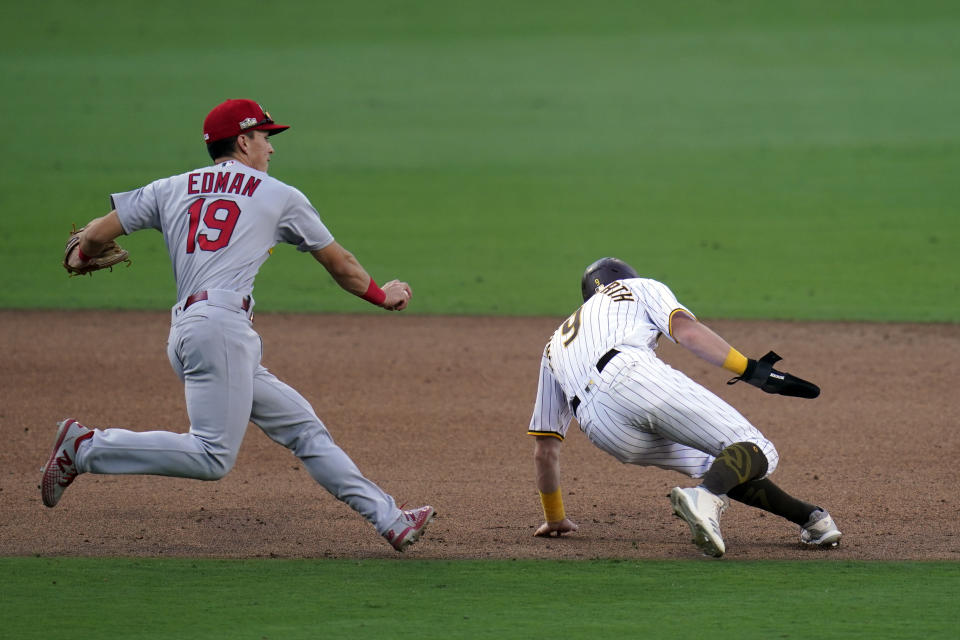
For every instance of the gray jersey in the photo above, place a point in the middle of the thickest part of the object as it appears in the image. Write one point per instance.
(228, 210)
(219, 224)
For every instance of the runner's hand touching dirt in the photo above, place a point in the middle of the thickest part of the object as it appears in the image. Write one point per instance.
(548, 529)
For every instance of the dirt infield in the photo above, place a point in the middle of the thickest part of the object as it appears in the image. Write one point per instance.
(435, 410)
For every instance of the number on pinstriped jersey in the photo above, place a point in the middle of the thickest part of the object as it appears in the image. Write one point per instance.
(572, 327)
(230, 212)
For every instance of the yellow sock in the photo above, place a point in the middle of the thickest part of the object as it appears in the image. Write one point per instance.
(552, 506)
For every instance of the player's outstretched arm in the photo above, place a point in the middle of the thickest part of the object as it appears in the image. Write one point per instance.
(702, 341)
(99, 232)
(351, 276)
(546, 457)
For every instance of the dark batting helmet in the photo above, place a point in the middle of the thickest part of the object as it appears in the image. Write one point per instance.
(603, 272)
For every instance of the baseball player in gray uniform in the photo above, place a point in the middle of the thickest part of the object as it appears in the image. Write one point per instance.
(600, 366)
(220, 223)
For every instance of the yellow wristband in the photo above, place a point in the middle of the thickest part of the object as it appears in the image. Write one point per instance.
(735, 362)
(552, 506)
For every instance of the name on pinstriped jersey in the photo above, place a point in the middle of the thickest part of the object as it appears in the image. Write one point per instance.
(221, 182)
(618, 292)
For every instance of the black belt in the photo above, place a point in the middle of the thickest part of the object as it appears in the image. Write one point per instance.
(197, 297)
(601, 363)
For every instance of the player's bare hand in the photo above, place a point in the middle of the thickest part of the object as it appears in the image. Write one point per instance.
(398, 295)
(74, 260)
(557, 529)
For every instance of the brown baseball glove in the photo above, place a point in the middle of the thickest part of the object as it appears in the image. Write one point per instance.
(111, 255)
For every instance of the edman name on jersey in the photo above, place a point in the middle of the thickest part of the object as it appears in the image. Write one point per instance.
(221, 182)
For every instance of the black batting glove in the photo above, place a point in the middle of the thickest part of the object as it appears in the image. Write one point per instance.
(761, 374)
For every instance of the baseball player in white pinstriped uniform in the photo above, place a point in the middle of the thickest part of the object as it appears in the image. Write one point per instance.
(220, 224)
(600, 366)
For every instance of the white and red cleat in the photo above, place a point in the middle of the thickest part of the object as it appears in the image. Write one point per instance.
(61, 467)
(408, 527)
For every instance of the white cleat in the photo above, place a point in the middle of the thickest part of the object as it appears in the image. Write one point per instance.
(820, 531)
(701, 510)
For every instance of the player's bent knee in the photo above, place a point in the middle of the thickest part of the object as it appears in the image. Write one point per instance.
(218, 466)
(747, 459)
(770, 452)
(736, 464)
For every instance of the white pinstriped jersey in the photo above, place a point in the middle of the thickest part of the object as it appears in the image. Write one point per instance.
(220, 222)
(638, 409)
(631, 313)
(625, 313)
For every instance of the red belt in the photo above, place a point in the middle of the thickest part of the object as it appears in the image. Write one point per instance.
(197, 297)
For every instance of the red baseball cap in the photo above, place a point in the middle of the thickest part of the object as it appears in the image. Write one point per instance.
(233, 117)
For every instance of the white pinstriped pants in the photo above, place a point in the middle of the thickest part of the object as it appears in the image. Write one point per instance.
(642, 411)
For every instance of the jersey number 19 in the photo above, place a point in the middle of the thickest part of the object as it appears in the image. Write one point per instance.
(224, 224)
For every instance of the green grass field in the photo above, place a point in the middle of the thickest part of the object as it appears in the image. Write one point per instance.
(281, 599)
(765, 159)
